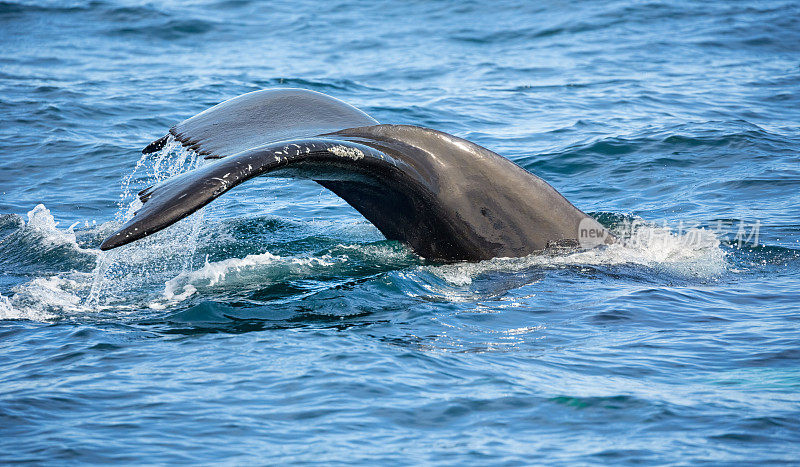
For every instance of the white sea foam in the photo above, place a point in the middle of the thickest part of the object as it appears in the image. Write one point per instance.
(40, 220)
(7, 311)
(379, 253)
(42, 228)
(46, 298)
(263, 268)
(695, 253)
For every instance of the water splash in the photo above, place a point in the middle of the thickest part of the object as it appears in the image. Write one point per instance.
(159, 271)
(40, 220)
(39, 242)
(259, 271)
(153, 168)
(46, 298)
(265, 268)
(118, 276)
(124, 272)
(694, 254)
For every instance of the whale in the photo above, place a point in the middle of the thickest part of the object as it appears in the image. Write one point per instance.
(446, 198)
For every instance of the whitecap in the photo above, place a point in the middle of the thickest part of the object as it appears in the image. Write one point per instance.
(262, 268)
(695, 253)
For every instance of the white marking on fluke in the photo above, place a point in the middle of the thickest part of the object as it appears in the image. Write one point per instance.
(350, 153)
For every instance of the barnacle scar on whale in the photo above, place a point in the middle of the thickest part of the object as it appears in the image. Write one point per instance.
(446, 198)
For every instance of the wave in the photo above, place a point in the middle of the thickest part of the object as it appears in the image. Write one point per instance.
(647, 252)
(72, 276)
(266, 268)
(254, 273)
(195, 260)
(38, 245)
(171, 29)
(46, 298)
(159, 272)
(684, 145)
(644, 252)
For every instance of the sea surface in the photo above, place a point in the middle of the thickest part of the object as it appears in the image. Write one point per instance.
(277, 325)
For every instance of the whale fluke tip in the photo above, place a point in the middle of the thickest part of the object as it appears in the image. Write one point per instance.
(111, 243)
(156, 145)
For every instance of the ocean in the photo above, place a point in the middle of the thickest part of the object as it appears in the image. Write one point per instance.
(278, 326)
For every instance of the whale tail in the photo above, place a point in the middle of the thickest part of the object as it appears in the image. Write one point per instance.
(445, 197)
(373, 182)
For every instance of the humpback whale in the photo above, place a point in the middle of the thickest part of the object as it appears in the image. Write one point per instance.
(447, 198)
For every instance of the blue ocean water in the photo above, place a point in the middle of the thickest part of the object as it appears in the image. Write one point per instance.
(277, 325)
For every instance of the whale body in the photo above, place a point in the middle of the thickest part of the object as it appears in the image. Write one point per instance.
(447, 198)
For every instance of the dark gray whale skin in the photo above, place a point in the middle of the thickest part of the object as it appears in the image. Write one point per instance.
(443, 196)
